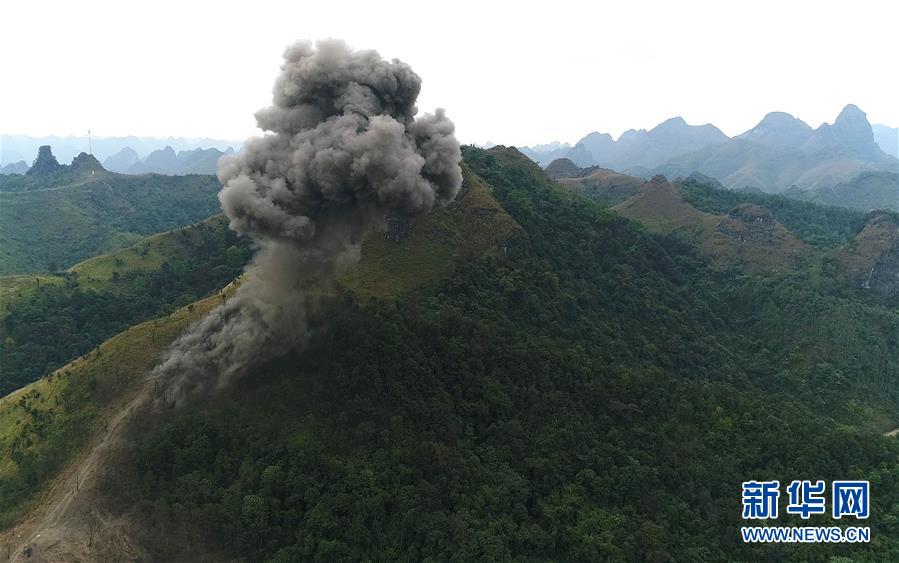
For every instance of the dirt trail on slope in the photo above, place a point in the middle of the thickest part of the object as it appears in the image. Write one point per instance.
(891, 433)
(69, 525)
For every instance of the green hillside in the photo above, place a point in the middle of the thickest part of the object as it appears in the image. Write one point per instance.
(865, 192)
(46, 423)
(47, 320)
(64, 219)
(542, 380)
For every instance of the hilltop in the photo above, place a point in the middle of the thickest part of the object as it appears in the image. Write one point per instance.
(748, 236)
(871, 260)
(599, 184)
(66, 213)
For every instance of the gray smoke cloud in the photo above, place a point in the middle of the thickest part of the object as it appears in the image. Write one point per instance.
(343, 149)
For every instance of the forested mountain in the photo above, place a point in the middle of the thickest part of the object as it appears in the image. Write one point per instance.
(57, 215)
(558, 382)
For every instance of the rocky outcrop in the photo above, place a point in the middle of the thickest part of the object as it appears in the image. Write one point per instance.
(86, 163)
(871, 261)
(749, 235)
(45, 163)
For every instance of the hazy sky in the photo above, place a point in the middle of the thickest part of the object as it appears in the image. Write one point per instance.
(509, 72)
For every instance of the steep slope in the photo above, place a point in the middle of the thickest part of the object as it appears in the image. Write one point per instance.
(45, 321)
(871, 261)
(53, 219)
(420, 251)
(473, 226)
(84, 403)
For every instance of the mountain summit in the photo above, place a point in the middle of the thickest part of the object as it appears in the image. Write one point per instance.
(779, 129)
(45, 163)
(641, 149)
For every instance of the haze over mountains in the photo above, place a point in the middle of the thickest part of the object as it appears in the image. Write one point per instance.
(14, 148)
(55, 215)
(163, 161)
(780, 153)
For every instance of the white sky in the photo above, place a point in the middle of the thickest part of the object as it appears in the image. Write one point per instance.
(510, 72)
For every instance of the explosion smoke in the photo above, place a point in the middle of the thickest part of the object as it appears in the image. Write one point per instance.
(344, 150)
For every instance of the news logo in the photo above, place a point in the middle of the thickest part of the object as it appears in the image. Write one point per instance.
(850, 499)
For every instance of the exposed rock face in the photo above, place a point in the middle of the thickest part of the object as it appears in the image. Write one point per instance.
(45, 163)
(883, 279)
(748, 222)
(396, 229)
(750, 235)
(871, 261)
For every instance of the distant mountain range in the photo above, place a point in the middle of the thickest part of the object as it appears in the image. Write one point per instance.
(128, 161)
(166, 161)
(782, 154)
(55, 215)
(17, 148)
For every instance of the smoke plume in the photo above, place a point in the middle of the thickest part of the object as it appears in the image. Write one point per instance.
(343, 149)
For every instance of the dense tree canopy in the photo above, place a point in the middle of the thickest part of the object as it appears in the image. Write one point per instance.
(595, 393)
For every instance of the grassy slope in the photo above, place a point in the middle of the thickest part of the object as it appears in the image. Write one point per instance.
(473, 225)
(64, 408)
(96, 273)
(729, 240)
(64, 224)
